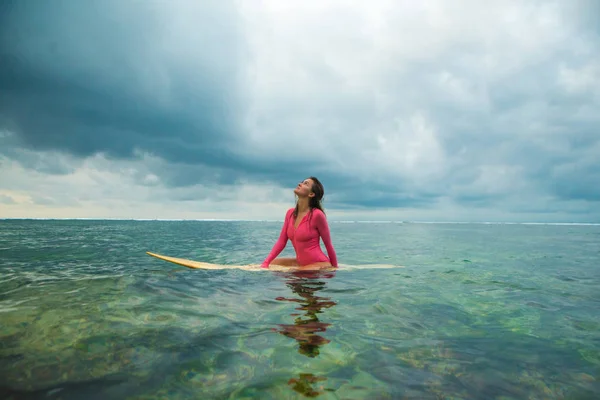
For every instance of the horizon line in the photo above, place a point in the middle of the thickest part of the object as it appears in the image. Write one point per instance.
(279, 220)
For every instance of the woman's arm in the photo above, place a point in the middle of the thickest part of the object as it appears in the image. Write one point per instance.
(323, 228)
(281, 241)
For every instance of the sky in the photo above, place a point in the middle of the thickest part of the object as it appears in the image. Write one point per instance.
(408, 111)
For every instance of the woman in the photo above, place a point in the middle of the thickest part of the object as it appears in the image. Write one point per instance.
(304, 225)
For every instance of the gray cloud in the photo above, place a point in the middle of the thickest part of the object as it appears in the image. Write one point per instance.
(109, 77)
(486, 106)
(4, 199)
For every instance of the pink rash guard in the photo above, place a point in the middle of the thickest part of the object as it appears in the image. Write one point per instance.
(305, 239)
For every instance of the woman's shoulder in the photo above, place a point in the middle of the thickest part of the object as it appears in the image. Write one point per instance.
(318, 213)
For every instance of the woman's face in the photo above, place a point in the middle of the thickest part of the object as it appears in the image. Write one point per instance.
(304, 188)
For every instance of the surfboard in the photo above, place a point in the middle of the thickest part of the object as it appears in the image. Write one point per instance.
(204, 265)
(255, 267)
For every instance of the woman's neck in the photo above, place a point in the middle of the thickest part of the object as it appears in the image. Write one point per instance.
(303, 206)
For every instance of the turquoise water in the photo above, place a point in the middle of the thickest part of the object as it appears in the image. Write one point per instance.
(478, 312)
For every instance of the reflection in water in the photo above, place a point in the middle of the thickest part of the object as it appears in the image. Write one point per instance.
(304, 384)
(307, 325)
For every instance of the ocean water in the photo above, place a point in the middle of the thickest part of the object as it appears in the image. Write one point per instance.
(477, 311)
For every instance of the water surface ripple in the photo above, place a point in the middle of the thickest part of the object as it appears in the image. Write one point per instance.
(478, 312)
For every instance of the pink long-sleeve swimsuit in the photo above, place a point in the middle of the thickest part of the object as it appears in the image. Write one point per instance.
(305, 239)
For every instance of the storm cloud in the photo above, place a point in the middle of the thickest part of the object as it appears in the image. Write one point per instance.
(403, 110)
